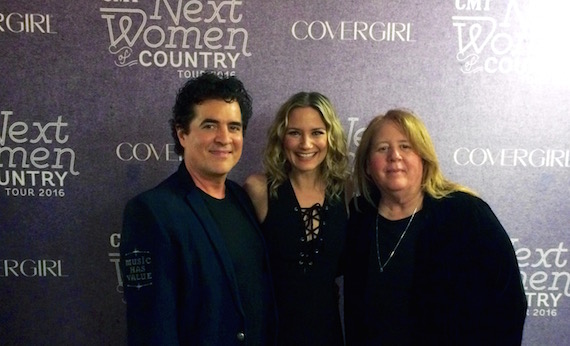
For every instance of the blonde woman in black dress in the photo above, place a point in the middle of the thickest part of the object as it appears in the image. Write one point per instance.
(300, 202)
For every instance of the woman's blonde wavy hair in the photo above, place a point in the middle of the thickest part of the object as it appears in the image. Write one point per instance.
(333, 170)
(433, 181)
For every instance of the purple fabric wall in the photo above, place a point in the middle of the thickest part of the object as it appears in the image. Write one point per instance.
(86, 89)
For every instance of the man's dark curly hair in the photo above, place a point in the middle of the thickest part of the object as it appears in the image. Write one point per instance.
(207, 86)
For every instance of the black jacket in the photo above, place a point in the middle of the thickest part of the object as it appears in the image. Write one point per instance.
(179, 282)
(466, 289)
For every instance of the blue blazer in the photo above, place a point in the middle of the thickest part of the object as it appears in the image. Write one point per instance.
(179, 283)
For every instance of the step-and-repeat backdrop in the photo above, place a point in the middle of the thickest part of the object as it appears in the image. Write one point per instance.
(87, 87)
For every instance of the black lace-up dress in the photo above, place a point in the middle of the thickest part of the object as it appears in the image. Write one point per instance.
(305, 260)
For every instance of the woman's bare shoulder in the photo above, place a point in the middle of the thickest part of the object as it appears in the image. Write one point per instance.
(255, 184)
(256, 187)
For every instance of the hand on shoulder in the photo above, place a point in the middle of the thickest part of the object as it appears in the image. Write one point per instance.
(256, 187)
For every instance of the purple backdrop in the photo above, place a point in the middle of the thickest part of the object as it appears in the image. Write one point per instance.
(86, 89)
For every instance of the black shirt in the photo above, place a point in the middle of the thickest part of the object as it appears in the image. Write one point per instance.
(247, 253)
(388, 321)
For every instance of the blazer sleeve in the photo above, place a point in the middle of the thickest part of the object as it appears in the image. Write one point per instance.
(481, 297)
(148, 266)
(468, 288)
(506, 297)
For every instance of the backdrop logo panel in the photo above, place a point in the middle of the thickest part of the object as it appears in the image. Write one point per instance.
(352, 31)
(143, 152)
(114, 258)
(509, 157)
(26, 23)
(491, 43)
(32, 268)
(34, 159)
(188, 35)
(544, 277)
(354, 136)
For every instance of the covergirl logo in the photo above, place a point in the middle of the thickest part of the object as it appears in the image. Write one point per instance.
(26, 23)
(30, 268)
(512, 157)
(143, 152)
(377, 31)
(188, 35)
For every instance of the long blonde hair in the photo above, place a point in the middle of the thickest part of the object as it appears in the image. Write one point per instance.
(433, 181)
(333, 170)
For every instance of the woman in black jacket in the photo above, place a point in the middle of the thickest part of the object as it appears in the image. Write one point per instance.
(428, 262)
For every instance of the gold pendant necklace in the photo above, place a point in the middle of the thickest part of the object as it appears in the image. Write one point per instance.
(395, 247)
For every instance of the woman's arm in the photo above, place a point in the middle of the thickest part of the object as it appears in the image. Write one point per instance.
(256, 187)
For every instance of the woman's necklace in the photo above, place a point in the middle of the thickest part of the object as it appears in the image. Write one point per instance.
(395, 247)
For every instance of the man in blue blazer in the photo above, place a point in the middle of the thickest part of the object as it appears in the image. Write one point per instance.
(194, 263)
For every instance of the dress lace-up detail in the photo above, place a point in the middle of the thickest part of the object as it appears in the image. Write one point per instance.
(312, 220)
(312, 239)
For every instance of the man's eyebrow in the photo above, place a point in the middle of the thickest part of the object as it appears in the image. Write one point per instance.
(208, 120)
(215, 121)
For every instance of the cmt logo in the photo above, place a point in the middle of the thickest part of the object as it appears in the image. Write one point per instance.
(489, 43)
(115, 258)
(146, 152)
(26, 23)
(32, 268)
(472, 5)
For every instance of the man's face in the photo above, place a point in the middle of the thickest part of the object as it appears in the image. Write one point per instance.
(214, 142)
